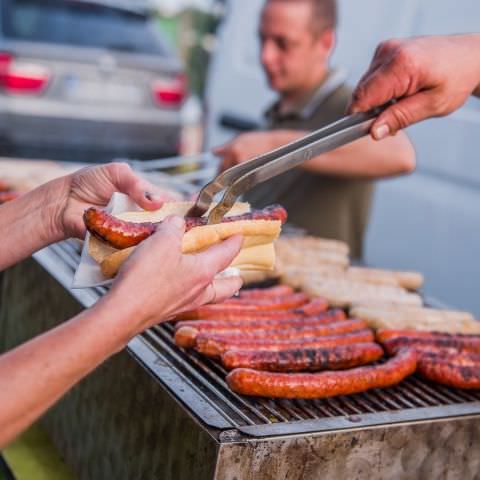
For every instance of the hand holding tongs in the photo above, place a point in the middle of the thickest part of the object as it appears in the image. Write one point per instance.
(241, 178)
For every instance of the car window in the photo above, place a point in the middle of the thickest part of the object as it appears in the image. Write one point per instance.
(82, 24)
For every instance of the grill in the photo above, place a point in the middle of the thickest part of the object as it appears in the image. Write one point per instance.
(248, 432)
(205, 378)
(160, 412)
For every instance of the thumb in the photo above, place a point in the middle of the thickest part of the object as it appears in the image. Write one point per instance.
(404, 113)
(218, 257)
(146, 195)
(170, 230)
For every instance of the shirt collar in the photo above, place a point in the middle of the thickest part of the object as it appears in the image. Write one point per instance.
(311, 102)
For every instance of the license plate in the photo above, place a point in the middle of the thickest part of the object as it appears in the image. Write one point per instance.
(107, 92)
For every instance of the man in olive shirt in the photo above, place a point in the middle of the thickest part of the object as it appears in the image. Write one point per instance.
(329, 196)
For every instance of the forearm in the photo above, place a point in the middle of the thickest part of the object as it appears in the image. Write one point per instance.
(35, 375)
(367, 159)
(27, 224)
(364, 158)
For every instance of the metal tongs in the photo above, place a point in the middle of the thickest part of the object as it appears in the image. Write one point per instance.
(239, 179)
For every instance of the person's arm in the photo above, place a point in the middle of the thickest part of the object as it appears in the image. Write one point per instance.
(428, 76)
(35, 375)
(54, 211)
(361, 159)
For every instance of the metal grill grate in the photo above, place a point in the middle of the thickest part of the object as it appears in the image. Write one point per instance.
(209, 376)
(206, 378)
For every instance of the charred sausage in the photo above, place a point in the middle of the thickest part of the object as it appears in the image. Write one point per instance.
(186, 336)
(325, 384)
(123, 234)
(276, 291)
(221, 311)
(458, 371)
(214, 347)
(308, 359)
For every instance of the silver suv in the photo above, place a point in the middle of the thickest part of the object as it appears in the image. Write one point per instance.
(86, 80)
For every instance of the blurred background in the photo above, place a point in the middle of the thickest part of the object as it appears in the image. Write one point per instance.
(93, 81)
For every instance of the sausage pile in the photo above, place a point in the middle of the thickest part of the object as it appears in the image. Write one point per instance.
(278, 343)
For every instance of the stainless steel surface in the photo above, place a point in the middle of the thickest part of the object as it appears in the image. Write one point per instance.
(241, 178)
(440, 450)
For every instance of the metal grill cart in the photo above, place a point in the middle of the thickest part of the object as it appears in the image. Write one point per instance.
(158, 412)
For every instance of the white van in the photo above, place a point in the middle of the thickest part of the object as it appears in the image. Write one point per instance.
(429, 221)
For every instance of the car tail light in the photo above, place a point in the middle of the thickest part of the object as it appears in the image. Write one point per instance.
(22, 78)
(170, 93)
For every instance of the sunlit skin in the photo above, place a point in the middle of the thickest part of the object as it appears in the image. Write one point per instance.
(36, 374)
(431, 77)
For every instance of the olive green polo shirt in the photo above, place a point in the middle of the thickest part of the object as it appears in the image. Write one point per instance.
(325, 206)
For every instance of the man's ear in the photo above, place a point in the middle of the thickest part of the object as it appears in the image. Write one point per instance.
(326, 40)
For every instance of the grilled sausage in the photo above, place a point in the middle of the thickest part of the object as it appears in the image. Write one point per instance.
(284, 302)
(387, 334)
(220, 311)
(123, 234)
(186, 336)
(308, 359)
(325, 384)
(263, 323)
(458, 371)
(276, 291)
(8, 195)
(461, 344)
(315, 306)
(293, 333)
(214, 347)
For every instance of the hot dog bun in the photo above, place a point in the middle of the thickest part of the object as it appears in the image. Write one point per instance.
(258, 235)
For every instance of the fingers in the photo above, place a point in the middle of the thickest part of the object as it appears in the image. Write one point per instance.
(142, 192)
(376, 88)
(168, 237)
(404, 113)
(219, 257)
(390, 76)
(221, 289)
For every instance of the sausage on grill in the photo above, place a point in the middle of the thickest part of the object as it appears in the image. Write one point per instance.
(221, 311)
(460, 370)
(305, 359)
(186, 335)
(284, 302)
(8, 195)
(325, 384)
(462, 343)
(214, 347)
(383, 335)
(293, 333)
(263, 323)
(276, 291)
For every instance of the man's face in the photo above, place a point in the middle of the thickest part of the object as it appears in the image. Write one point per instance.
(289, 47)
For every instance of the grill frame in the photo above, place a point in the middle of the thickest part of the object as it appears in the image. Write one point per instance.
(205, 396)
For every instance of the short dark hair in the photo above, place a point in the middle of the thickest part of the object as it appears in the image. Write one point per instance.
(325, 14)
